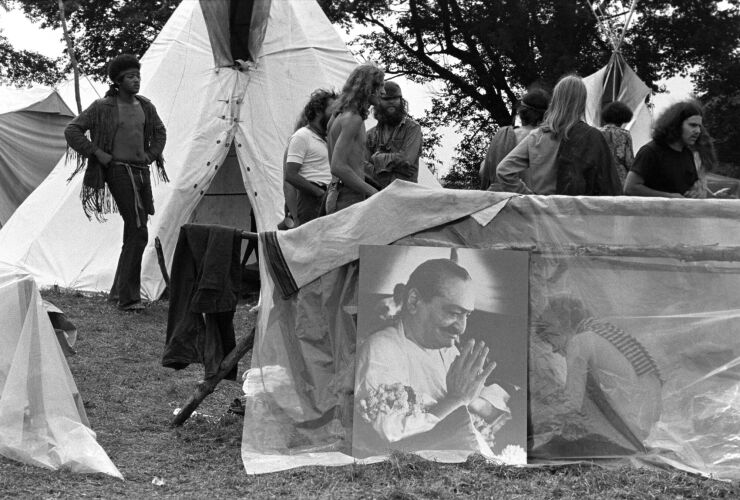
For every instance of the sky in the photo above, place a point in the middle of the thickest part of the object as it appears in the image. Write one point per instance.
(25, 35)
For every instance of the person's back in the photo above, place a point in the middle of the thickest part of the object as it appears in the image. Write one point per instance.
(573, 153)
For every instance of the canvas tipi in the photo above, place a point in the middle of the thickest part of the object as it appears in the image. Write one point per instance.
(228, 80)
(32, 122)
(618, 82)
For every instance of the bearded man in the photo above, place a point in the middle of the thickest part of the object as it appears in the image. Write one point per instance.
(394, 144)
(307, 161)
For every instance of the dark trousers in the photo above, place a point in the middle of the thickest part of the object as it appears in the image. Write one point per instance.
(127, 281)
(309, 205)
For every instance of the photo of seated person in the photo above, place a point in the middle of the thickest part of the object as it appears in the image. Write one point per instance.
(612, 391)
(423, 382)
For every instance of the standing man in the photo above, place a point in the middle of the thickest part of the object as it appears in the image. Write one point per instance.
(394, 144)
(346, 137)
(307, 163)
(126, 136)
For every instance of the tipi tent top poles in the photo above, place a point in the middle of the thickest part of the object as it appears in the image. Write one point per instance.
(601, 17)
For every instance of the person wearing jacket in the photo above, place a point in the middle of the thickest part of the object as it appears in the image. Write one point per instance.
(126, 136)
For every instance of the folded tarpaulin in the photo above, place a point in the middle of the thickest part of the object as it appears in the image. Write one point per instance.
(42, 419)
(299, 256)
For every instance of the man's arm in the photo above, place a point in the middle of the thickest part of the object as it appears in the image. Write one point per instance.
(404, 161)
(296, 180)
(341, 165)
(74, 133)
(507, 172)
(634, 185)
(159, 139)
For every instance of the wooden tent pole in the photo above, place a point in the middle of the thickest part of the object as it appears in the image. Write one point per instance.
(207, 386)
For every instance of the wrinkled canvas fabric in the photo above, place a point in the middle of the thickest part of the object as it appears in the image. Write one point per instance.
(42, 419)
(663, 272)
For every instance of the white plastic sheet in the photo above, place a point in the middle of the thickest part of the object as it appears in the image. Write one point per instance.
(42, 419)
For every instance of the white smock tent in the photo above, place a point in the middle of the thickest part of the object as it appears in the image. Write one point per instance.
(229, 101)
(618, 82)
(32, 121)
(42, 419)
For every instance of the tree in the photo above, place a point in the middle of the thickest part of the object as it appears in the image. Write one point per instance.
(102, 30)
(487, 52)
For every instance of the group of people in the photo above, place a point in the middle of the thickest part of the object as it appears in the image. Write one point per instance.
(332, 162)
(554, 151)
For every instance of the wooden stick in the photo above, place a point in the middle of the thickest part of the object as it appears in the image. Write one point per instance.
(207, 386)
(160, 260)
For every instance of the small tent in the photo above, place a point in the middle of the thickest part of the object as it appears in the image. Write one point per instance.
(617, 81)
(32, 122)
(42, 418)
(228, 80)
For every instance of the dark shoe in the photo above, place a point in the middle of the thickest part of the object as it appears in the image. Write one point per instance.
(133, 307)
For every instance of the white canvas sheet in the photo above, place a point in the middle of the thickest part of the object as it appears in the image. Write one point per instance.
(42, 419)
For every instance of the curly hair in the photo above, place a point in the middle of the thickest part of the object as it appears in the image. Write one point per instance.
(317, 103)
(364, 81)
(617, 113)
(705, 147)
(668, 127)
(567, 107)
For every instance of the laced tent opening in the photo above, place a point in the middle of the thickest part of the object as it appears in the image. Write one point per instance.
(226, 202)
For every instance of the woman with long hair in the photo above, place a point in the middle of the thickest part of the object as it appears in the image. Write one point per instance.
(564, 155)
(673, 164)
(531, 110)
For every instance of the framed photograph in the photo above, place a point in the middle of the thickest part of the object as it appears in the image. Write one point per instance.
(441, 365)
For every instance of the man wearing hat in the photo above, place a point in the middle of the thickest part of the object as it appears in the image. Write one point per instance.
(126, 136)
(394, 144)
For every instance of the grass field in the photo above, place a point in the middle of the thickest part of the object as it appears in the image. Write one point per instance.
(130, 398)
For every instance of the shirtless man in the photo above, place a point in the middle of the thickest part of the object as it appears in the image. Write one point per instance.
(346, 138)
(126, 136)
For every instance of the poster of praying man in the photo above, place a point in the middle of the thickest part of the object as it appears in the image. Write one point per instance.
(441, 365)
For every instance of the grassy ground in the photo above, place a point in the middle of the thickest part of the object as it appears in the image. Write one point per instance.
(130, 398)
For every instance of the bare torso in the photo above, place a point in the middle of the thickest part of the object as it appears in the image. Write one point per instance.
(128, 143)
(346, 142)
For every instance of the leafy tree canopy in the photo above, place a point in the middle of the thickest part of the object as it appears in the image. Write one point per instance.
(487, 52)
(482, 54)
(103, 29)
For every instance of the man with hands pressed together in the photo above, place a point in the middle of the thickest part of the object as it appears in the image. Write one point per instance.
(419, 353)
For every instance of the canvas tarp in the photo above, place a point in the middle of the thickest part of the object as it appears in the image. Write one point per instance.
(32, 122)
(42, 419)
(661, 275)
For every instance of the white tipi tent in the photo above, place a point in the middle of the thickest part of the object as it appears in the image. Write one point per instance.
(617, 81)
(211, 107)
(32, 122)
